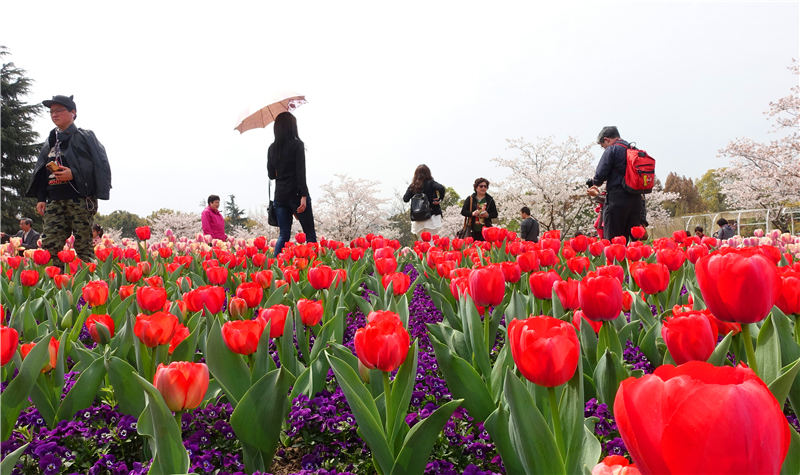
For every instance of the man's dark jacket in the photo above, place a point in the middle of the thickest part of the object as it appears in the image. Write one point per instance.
(529, 229)
(33, 239)
(86, 157)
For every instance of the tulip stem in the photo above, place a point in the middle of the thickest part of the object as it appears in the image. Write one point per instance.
(748, 348)
(387, 399)
(487, 316)
(178, 420)
(551, 392)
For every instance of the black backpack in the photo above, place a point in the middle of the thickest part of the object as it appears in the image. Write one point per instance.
(420, 208)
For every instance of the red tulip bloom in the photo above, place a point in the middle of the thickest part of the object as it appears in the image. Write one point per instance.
(445, 268)
(615, 465)
(567, 293)
(567, 253)
(425, 236)
(673, 259)
(679, 235)
(547, 258)
(342, 253)
(578, 318)
(180, 334)
(383, 343)
(385, 265)
(400, 282)
(614, 252)
(251, 292)
(41, 257)
(151, 299)
(154, 281)
(183, 385)
(689, 337)
(52, 271)
(542, 284)
(638, 232)
(95, 292)
(596, 248)
(651, 278)
(126, 291)
(696, 252)
(66, 256)
(339, 277)
(528, 261)
(211, 296)
(9, 339)
(627, 301)
(300, 238)
(144, 267)
(579, 265)
(242, 336)
(545, 349)
(52, 349)
(143, 233)
(511, 271)
(689, 419)
(771, 252)
(321, 277)
(133, 274)
(487, 286)
(276, 316)
(612, 271)
(263, 278)
(600, 297)
(156, 329)
(237, 307)
(789, 298)
(579, 243)
(217, 275)
(29, 278)
(91, 326)
(310, 311)
(738, 285)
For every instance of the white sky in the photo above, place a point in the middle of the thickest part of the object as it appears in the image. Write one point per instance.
(393, 85)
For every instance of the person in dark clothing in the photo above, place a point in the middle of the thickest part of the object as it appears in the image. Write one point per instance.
(423, 182)
(621, 210)
(286, 164)
(725, 230)
(698, 231)
(30, 238)
(529, 227)
(480, 208)
(71, 175)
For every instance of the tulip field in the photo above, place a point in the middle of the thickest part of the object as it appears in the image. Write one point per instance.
(565, 356)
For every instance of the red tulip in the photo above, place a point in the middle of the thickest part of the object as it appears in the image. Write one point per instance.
(211, 296)
(547, 258)
(567, 292)
(52, 349)
(251, 292)
(445, 268)
(789, 298)
(425, 236)
(567, 253)
(310, 311)
(41, 257)
(579, 243)
(95, 292)
(638, 232)
(738, 285)
(615, 465)
(91, 326)
(339, 277)
(132, 274)
(300, 238)
(528, 261)
(52, 271)
(612, 271)
(696, 252)
(578, 317)
(542, 284)
(651, 278)
(385, 265)
(9, 339)
(180, 334)
(487, 286)
(627, 301)
(511, 271)
(217, 275)
(264, 278)
(579, 265)
(679, 235)
(596, 248)
(321, 277)
(29, 278)
(614, 252)
(144, 267)
(66, 256)
(545, 349)
(673, 259)
(690, 419)
(242, 336)
(156, 329)
(182, 384)
(690, 336)
(151, 299)
(126, 291)
(237, 307)
(143, 233)
(276, 316)
(400, 282)
(383, 343)
(600, 297)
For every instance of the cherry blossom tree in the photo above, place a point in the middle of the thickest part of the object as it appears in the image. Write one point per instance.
(767, 175)
(348, 208)
(181, 224)
(259, 226)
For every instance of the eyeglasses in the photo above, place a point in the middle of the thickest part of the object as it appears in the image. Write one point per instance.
(483, 186)
(57, 111)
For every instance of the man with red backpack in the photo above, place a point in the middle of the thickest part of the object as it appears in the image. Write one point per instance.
(628, 173)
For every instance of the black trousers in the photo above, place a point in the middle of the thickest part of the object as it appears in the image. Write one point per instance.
(621, 212)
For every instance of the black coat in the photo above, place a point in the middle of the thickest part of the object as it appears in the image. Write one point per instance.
(429, 188)
(86, 156)
(491, 208)
(32, 241)
(287, 167)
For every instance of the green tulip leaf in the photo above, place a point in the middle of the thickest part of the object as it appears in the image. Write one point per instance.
(464, 382)
(419, 441)
(227, 367)
(608, 339)
(127, 391)
(608, 374)
(504, 361)
(642, 310)
(768, 352)
(570, 410)
(186, 349)
(42, 397)
(8, 463)
(791, 464)
(719, 356)
(15, 397)
(158, 425)
(649, 346)
(402, 388)
(262, 359)
(530, 434)
(783, 383)
(497, 424)
(589, 343)
(83, 392)
(275, 297)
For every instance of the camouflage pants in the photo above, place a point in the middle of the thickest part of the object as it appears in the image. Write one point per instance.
(63, 218)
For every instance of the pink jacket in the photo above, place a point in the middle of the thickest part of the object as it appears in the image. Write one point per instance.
(213, 223)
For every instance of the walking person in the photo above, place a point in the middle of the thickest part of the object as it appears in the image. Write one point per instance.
(529, 227)
(425, 195)
(212, 221)
(622, 210)
(480, 208)
(71, 175)
(286, 164)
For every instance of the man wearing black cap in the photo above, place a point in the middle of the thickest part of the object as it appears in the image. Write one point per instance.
(622, 210)
(71, 175)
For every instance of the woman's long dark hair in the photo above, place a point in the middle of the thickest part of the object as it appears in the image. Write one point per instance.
(421, 175)
(285, 129)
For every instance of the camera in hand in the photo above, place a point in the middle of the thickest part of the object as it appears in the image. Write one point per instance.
(590, 183)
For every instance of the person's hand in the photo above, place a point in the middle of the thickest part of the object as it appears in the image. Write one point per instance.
(63, 174)
(40, 207)
(436, 202)
(593, 191)
(302, 206)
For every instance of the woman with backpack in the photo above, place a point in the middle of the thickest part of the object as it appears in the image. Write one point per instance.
(479, 208)
(425, 194)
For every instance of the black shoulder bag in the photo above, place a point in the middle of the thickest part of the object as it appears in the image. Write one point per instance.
(465, 231)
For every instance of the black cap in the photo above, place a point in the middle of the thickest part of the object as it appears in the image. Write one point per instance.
(63, 100)
(608, 132)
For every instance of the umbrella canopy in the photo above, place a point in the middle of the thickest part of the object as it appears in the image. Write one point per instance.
(285, 101)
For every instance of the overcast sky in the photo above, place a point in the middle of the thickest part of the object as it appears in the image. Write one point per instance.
(393, 85)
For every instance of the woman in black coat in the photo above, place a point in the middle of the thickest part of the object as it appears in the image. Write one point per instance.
(424, 183)
(480, 208)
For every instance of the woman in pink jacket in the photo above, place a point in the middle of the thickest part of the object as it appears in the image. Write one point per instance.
(213, 222)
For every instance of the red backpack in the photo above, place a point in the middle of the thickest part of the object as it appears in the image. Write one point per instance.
(640, 171)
